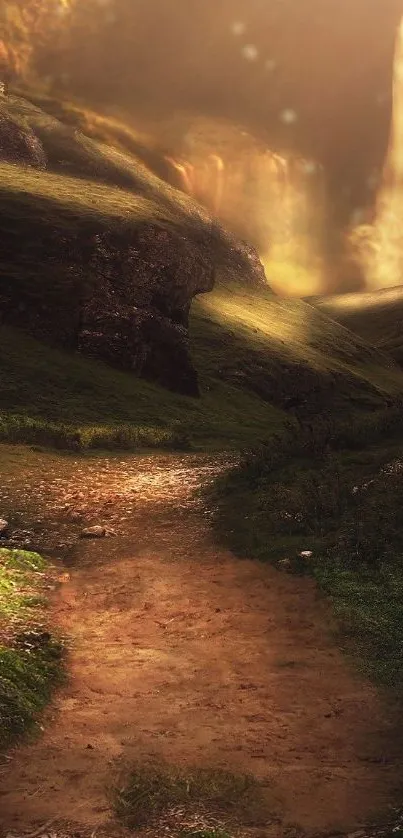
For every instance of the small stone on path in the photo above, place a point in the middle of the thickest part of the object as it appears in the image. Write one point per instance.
(3, 527)
(94, 532)
(97, 531)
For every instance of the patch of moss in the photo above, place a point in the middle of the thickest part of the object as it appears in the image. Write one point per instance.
(30, 658)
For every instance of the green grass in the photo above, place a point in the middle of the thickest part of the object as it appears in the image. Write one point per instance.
(252, 352)
(299, 495)
(50, 397)
(30, 658)
(91, 206)
(279, 334)
(377, 316)
(70, 153)
(103, 128)
(150, 793)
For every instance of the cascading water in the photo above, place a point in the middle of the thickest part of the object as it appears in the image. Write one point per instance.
(379, 247)
(277, 202)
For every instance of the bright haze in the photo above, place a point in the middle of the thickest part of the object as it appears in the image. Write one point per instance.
(300, 80)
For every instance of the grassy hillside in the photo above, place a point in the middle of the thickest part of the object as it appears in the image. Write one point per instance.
(257, 356)
(377, 316)
(51, 397)
(115, 187)
(26, 194)
(105, 129)
(70, 153)
(253, 352)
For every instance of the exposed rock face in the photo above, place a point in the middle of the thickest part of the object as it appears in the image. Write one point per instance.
(246, 259)
(122, 298)
(141, 325)
(18, 144)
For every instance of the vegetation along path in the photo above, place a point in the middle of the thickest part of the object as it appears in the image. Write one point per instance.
(182, 652)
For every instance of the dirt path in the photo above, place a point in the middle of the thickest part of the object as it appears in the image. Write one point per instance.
(181, 651)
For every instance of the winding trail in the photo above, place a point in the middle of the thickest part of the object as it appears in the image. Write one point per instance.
(183, 652)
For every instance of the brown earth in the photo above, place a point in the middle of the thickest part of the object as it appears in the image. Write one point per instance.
(182, 652)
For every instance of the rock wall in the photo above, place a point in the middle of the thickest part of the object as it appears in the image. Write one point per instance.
(122, 298)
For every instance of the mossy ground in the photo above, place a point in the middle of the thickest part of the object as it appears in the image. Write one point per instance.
(30, 658)
(335, 493)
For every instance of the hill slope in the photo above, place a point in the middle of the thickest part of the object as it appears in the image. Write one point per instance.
(92, 220)
(257, 358)
(377, 316)
(112, 255)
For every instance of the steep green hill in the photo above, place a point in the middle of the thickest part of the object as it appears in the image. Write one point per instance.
(377, 316)
(260, 359)
(105, 129)
(254, 353)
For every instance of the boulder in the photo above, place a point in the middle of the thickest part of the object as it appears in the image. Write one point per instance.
(19, 144)
(4, 525)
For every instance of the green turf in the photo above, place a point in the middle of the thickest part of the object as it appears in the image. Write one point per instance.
(252, 351)
(243, 341)
(103, 128)
(377, 316)
(72, 154)
(30, 659)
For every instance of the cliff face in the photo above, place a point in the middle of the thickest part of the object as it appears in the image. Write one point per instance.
(106, 271)
(123, 298)
(134, 311)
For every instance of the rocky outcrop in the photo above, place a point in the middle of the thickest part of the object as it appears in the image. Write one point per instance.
(246, 264)
(18, 144)
(136, 315)
(121, 297)
(102, 271)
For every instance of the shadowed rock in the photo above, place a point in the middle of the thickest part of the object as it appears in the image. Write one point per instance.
(18, 144)
(105, 272)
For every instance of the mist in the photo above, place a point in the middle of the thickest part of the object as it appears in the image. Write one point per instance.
(276, 115)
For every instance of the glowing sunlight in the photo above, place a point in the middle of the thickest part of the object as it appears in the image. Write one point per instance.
(277, 202)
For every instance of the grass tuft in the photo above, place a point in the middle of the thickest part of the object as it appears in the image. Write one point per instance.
(151, 792)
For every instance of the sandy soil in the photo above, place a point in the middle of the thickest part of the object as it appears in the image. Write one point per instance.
(183, 652)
